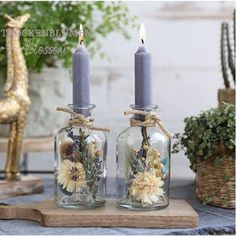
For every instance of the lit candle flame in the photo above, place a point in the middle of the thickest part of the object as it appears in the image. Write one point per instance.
(81, 34)
(142, 33)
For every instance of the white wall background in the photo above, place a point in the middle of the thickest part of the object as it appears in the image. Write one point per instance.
(184, 39)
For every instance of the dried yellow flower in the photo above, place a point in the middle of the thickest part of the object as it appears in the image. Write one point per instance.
(146, 188)
(153, 153)
(71, 175)
(154, 161)
(98, 153)
(145, 147)
(92, 148)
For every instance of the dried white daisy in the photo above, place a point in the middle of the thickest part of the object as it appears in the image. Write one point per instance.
(71, 176)
(146, 188)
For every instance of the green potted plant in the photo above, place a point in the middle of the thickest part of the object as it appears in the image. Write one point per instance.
(227, 63)
(49, 38)
(208, 142)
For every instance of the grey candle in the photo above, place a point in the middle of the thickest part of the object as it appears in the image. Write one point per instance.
(143, 75)
(81, 89)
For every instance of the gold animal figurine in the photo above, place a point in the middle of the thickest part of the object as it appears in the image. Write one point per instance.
(15, 105)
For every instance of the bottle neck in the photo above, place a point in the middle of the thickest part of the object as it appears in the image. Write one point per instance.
(141, 108)
(85, 111)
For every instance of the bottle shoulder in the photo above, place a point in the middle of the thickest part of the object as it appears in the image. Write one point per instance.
(136, 132)
(75, 131)
(62, 130)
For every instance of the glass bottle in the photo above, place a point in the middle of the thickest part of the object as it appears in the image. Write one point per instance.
(143, 167)
(80, 166)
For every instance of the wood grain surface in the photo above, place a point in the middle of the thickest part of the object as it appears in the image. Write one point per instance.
(179, 214)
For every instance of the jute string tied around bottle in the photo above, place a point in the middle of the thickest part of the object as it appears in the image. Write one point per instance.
(80, 120)
(151, 119)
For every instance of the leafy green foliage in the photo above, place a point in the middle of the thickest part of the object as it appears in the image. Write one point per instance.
(98, 18)
(205, 134)
(90, 169)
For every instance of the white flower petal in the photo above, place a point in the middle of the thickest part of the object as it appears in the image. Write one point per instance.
(146, 188)
(65, 176)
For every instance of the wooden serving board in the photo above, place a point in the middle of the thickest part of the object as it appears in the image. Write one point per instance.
(179, 214)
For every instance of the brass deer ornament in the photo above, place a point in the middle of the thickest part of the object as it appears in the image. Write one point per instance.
(15, 104)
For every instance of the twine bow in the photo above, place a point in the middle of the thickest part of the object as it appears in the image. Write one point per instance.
(151, 119)
(80, 120)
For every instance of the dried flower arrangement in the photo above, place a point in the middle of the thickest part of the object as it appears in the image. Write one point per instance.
(145, 173)
(80, 168)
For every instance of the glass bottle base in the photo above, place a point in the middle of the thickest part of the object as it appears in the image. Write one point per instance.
(127, 203)
(81, 206)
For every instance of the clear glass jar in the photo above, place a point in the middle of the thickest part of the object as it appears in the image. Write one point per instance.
(143, 168)
(80, 166)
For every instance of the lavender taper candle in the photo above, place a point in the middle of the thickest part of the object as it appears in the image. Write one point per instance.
(81, 89)
(143, 75)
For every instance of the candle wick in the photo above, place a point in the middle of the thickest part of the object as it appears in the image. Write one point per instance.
(142, 41)
(81, 42)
